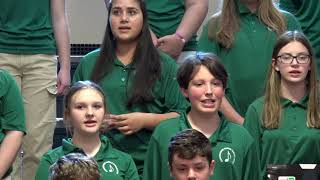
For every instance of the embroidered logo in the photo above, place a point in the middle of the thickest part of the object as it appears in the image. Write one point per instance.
(110, 167)
(227, 155)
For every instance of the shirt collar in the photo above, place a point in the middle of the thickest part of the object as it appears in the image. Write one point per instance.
(117, 62)
(303, 102)
(221, 134)
(105, 150)
(243, 9)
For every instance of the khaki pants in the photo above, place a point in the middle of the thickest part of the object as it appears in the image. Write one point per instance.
(36, 75)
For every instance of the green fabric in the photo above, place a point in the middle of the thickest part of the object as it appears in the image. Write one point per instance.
(25, 27)
(122, 164)
(307, 13)
(292, 143)
(12, 116)
(168, 98)
(164, 17)
(248, 60)
(243, 164)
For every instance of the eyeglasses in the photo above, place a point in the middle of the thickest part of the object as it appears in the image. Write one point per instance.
(288, 58)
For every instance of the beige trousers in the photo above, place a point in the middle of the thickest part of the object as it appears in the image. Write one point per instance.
(36, 75)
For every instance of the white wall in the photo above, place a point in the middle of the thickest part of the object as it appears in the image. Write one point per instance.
(88, 18)
(87, 21)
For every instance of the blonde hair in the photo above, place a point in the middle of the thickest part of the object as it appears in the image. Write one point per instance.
(223, 25)
(271, 113)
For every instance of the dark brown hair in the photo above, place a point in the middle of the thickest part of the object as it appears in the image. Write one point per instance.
(146, 60)
(188, 144)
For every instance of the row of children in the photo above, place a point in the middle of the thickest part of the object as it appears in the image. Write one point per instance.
(142, 93)
(189, 150)
(290, 138)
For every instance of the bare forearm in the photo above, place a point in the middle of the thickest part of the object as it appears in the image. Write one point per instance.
(61, 32)
(196, 11)
(8, 150)
(230, 113)
(152, 119)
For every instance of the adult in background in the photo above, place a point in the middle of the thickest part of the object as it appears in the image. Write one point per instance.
(243, 35)
(31, 32)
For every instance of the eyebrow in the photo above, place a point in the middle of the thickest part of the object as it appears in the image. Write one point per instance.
(130, 8)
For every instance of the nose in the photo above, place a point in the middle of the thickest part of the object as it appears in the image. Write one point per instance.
(294, 60)
(124, 17)
(89, 111)
(208, 89)
(191, 174)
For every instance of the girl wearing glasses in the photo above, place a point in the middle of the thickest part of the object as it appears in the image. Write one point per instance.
(285, 122)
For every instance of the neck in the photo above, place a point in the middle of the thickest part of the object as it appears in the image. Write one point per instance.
(89, 144)
(294, 92)
(205, 123)
(251, 5)
(125, 52)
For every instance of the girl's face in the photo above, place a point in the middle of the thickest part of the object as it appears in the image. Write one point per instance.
(86, 111)
(204, 91)
(293, 63)
(126, 20)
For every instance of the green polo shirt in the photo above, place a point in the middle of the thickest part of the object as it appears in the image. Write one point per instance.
(233, 151)
(164, 17)
(168, 98)
(248, 60)
(113, 164)
(12, 116)
(307, 13)
(292, 143)
(26, 27)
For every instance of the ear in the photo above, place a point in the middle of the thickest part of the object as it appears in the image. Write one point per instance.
(184, 92)
(275, 64)
(211, 167)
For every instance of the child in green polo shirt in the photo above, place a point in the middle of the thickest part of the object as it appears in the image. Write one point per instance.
(85, 112)
(243, 35)
(75, 166)
(285, 122)
(202, 79)
(308, 15)
(12, 122)
(138, 80)
(190, 156)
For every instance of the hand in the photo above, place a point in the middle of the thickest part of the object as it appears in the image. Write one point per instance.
(154, 38)
(128, 123)
(63, 80)
(171, 44)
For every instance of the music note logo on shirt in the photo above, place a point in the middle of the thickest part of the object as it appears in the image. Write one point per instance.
(110, 167)
(227, 155)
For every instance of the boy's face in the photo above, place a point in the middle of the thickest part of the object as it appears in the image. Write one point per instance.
(197, 168)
